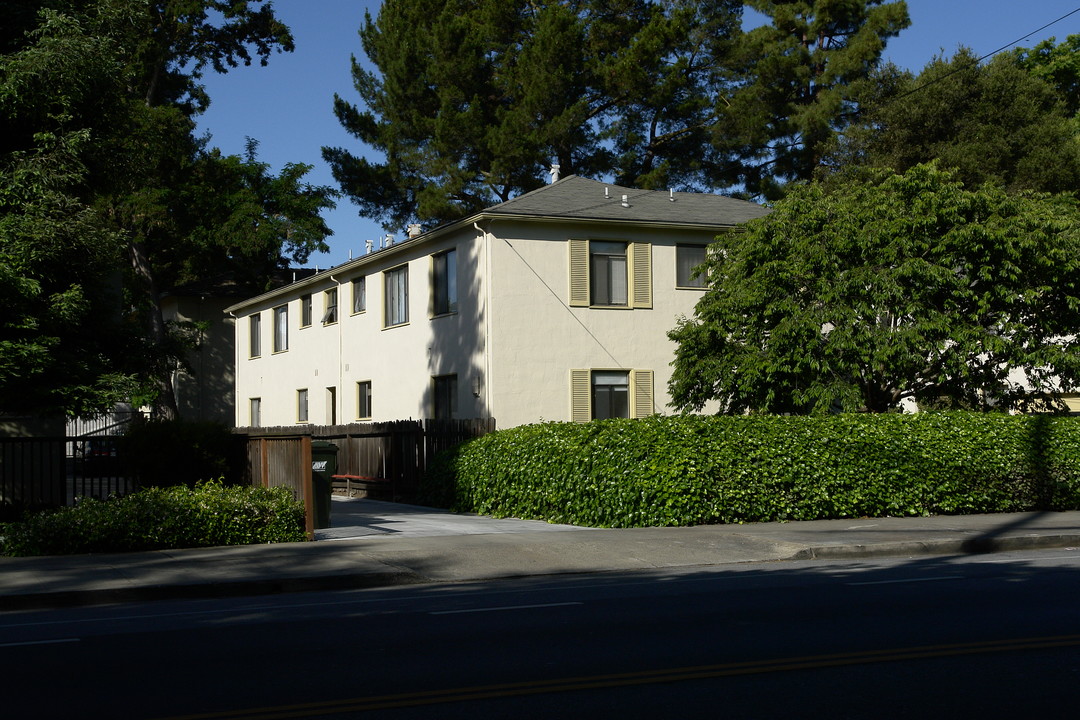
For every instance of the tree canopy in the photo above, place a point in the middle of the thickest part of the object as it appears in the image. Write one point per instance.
(859, 296)
(998, 121)
(470, 103)
(108, 199)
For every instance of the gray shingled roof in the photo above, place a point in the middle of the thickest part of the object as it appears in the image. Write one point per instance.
(579, 198)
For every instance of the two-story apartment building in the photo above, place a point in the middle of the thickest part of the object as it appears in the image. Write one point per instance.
(552, 306)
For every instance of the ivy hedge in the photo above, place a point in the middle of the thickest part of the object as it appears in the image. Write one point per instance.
(693, 470)
(209, 514)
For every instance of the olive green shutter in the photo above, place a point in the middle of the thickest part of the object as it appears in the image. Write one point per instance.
(641, 275)
(579, 273)
(641, 384)
(580, 396)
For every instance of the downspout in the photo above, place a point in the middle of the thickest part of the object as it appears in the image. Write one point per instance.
(486, 381)
(236, 371)
(339, 394)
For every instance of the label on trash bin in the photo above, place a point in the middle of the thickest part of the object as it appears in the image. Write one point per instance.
(319, 465)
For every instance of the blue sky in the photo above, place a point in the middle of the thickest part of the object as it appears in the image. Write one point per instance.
(287, 105)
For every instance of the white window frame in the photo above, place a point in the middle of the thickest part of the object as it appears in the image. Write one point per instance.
(255, 335)
(330, 305)
(302, 397)
(444, 283)
(305, 310)
(281, 328)
(396, 296)
(684, 273)
(359, 295)
(363, 400)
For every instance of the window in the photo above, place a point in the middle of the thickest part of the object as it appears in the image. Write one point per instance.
(255, 412)
(607, 273)
(444, 282)
(359, 295)
(396, 296)
(331, 406)
(302, 406)
(281, 328)
(255, 335)
(445, 396)
(687, 259)
(610, 274)
(610, 395)
(305, 310)
(363, 399)
(330, 303)
(601, 394)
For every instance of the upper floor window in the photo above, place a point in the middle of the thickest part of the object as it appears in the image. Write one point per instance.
(305, 310)
(255, 335)
(281, 328)
(610, 274)
(330, 303)
(359, 295)
(396, 296)
(608, 279)
(687, 259)
(444, 282)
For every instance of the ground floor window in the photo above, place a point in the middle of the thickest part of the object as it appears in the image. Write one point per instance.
(255, 412)
(302, 406)
(363, 400)
(445, 396)
(601, 394)
(610, 395)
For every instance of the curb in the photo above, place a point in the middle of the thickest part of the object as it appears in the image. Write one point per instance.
(968, 546)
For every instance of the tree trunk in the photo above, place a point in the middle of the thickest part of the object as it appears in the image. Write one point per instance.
(164, 407)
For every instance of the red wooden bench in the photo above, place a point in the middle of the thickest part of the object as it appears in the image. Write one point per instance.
(372, 486)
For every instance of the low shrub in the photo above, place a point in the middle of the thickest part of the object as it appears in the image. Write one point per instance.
(209, 514)
(691, 470)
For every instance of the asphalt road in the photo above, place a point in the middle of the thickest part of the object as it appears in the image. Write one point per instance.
(987, 636)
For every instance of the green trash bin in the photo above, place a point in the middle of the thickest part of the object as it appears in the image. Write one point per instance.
(323, 468)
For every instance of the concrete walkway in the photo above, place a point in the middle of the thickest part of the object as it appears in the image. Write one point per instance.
(375, 544)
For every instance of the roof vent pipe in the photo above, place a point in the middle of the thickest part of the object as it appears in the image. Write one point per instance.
(625, 202)
(554, 172)
(606, 195)
(367, 246)
(415, 230)
(388, 240)
(671, 194)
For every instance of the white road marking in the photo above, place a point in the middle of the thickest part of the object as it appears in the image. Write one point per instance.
(39, 642)
(505, 607)
(909, 580)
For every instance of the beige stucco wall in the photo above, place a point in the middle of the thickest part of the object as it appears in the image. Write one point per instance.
(400, 361)
(511, 344)
(537, 338)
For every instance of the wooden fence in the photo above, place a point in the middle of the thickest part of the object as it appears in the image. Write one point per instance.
(384, 460)
(387, 458)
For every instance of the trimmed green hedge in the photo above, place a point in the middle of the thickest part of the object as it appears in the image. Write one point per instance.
(692, 470)
(160, 518)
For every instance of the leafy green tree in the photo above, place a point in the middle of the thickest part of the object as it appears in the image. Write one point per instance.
(859, 296)
(1058, 65)
(98, 99)
(994, 122)
(471, 101)
(798, 73)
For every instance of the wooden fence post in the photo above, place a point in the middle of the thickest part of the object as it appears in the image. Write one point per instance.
(306, 484)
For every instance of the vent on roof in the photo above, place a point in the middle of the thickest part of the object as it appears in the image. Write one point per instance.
(625, 202)
(415, 230)
(554, 172)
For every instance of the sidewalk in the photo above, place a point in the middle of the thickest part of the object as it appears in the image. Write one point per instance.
(376, 544)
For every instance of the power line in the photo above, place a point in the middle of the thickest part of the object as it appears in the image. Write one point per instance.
(987, 55)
